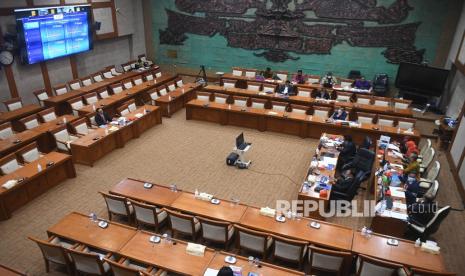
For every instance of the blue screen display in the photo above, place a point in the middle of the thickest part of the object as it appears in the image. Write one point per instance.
(49, 33)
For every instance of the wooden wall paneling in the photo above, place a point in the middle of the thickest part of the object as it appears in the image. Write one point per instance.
(74, 69)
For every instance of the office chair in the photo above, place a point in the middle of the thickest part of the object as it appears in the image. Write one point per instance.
(424, 231)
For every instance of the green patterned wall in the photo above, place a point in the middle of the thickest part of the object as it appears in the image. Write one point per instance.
(214, 53)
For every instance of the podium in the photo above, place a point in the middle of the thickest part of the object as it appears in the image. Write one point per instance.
(243, 161)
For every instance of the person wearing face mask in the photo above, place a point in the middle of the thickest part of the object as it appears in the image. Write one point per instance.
(339, 114)
(411, 186)
(102, 118)
(323, 94)
(329, 80)
(412, 165)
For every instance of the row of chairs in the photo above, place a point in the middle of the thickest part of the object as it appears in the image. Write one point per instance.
(16, 160)
(252, 73)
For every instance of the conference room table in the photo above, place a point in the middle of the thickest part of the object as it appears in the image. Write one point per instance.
(17, 141)
(302, 125)
(137, 92)
(177, 99)
(14, 116)
(46, 140)
(309, 101)
(34, 183)
(89, 148)
(60, 102)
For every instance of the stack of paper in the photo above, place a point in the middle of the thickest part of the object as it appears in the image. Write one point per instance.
(195, 249)
(138, 115)
(267, 211)
(211, 272)
(113, 128)
(397, 192)
(431, 247)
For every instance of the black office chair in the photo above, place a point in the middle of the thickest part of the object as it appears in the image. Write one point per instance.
(381, 84)
(416, 230)
(352, 191)
(354, 74)
(367, 143)
(363, 161)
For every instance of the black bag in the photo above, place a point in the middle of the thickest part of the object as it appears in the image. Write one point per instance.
(231, 159)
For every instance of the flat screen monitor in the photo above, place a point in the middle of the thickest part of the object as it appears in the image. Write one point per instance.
(51, 32)
(420, 79)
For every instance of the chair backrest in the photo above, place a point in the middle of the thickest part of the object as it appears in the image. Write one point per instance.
(421, 272)
(327, 260)
(29, 153)
(103, 93)
(258, 103)
(299, 109)
(278, 106)
(313, 79)
(321, 111)
(237, 71)
(119, 269)
(406, 123)
(41, 95)
(137, 80)
(282, 75)
(80, 126)
(158, 73)
(145, 213)
(127, 83)
(76, 104)
(428, 157)
(304, 92)
(107, 74)
(171, 86)
(52, 252)
(116, 88)
(75, 84)
(401, 103)
(370, 266)
(6, 130)
(251, 239)
(380, 101)
(220, 98)
(113, 70)
(254, 86)
(179, 82)
(434, 189)
(87, 262)
(123, 110)
(47, 115)
(435, 222)
(288, 249)
(203, 96)
(13, 104)
(60, 89)
(30, 122)
(433, 172)
(91, 98)
(148, 76)
(128, 65)
(250, 73)
(343, 96)
(425, 146)
(97, 77)
(384, 120)
(363, 99)
(365, 118)
(229, 83)
(154, 94)
(9, 164)
(116, 204)
(86, 81)
(162, 90)
(181, 222)
(216, 231)
(61, 136)
(240, 101)
(131, 105)
(269, 88)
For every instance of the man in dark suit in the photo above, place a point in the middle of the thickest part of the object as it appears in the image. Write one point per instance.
(102, 118)
(347, 150)
(323, 94)
(344, 182)
(287, 89)
(339, 114)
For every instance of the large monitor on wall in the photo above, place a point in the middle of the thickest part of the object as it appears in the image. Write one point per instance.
(420, 79)
(50, 32)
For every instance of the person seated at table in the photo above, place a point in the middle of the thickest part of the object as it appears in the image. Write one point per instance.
(411, 165)
(411, 148)
(267, 74)
(347, 150)
(423, 210)
(403, 144)
(344, 182)
(362, 83)
(101, 117)
(323, 94)
(412, 187)
(286, 89)
(339, 114)
(300, 78)
(329, 80)
(225, 271)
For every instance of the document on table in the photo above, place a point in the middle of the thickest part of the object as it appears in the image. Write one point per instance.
(211, 272)
(393, 214)
(397, 191)
(399, 205)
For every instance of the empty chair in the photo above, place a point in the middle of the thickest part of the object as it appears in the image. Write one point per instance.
(406, 123)
(9, 164)
(91, 98)
(321, 112)
(346, 82)
(97, 77)
(80, 127)
(229, 83)
(137, 80)
(47, 115)
(29, 153)
(13, 104)
(179, 82)
(237, 71)
(204, 96)
(6, 131)
(171, 86)
(343, 96)
(364, 99)
(221, 98)
(41, 96)
(123, 110)
(240, 101)
(431, 176)
(282, 75)
(401, 103)
(127, 267)
(253, 86)
(299, 109)
(421, 272)
(434, 189)
(30, 122)
(127, 84)
(304, 92)
(162, 90)
(63, 138)
(326, 260)
(86, 81)
(118, 205)
(53, 251)
(381, 101)
(113, 70)
(60, 89)
(103, 93)
(427, 159)
(289, 250)
(148, 76)
(278, 106)
(365, 118)
(313, 79)
(216, 231)
(269, 88)
(157, 73)
(153, 96)
(107, 73)
(89, 261)
(252, 240)
(116, 88)
(74, 84)
(384, 120)
(250, 73)
(424, 231)
(76, 104)
(367, 266)
(425, 147)
(183, 224)
(150, 215)
(128, 66)
(131, 105)
(258, 103)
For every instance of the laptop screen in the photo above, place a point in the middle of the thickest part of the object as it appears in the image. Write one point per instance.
(240, 140)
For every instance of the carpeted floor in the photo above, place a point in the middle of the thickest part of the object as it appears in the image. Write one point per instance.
(192, 154)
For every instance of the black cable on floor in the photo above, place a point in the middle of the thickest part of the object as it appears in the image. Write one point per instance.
(275, 174)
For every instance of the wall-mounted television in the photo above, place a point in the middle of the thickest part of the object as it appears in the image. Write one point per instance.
(51, 32)
(421, 79)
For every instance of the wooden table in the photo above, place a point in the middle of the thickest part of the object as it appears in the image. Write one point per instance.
(329, 235)
(405, 253)
(266, 269)
(81, 229)
(177, 99)
(308, 101)
(286, 122)
(6, 271)
(15, 115)
(35, 183)
(226, 210)
(165, 255)
(158, 195)
(89, 148)
(46, 141)
(17, 141)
